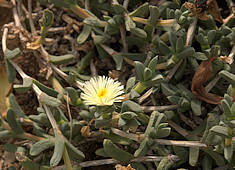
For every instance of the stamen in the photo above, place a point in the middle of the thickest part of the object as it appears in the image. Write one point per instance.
(102, 92)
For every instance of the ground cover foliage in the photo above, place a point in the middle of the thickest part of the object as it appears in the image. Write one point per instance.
(173, 108)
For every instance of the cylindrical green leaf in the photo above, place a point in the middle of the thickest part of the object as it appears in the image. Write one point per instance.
(140, 11)
(11, 54)
(27, 84)
(186, 53)
(228, 152)
(40, 146)
(228, 76)
(128, 115)
(11, 119)
(115, 152)
(173, 39)
(152, 64)
(61, 59)
(15, 106)
(129, 23)
(73, 151)
(164, 49)
(211, 36)
(154, 15)
(193, 156)
(84, 34)
(206, 163)
(179, 44)
(46, 89)
(143, 148)
(11, 73)
(48, 100)
(138, 32)
(139, 68)
(196, 107)
(58, 151)
(147, 74)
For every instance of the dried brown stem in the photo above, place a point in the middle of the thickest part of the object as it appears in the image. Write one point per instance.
(159, 108)
(113, 161)
(51, 118)
(70, 119)
(145, 95)
(125, 3)
(15, 15)
(191, 32)
(30, 137)
(65, 76)
(87, 5)
(123, 37)
(31, 18)
(4, 39)
(140, 137)
(179, 129)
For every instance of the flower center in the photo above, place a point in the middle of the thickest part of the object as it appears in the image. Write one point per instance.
(102, 92)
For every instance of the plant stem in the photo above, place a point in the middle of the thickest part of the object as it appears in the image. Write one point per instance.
(159, 108)
(113, 161)
(140, 137)
(33, 30)
(66, 159)
(80, 12)
(140, 87)
(168, 22)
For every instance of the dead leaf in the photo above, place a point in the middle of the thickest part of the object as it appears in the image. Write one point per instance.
(115, 118)
(199, 9)
(86, 131)
(213, 9)
(5, 88)
(33, 46)
(120, 167)
(202, 75)
(125, 97)
(227, 59)
(115, 74)
(199, 12)
(5, 4)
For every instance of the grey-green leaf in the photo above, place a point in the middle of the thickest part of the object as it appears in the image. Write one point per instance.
(40, 146)
(129, 23)
(11, 73)
(84, 34)
(115, 152)
(58, 151)
(227, 76)
(154, 15)
(193, 156)
(140, 11)
(147, 74)
(50, 101)
(15, 106)
(138, 32)
(152, 64)
(139, 68)
(63, 59)
(220, 130)
(11, 54)
(11, 119)
(228, 152)
(196, 107)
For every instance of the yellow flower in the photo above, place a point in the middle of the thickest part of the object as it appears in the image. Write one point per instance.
(101, 91)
